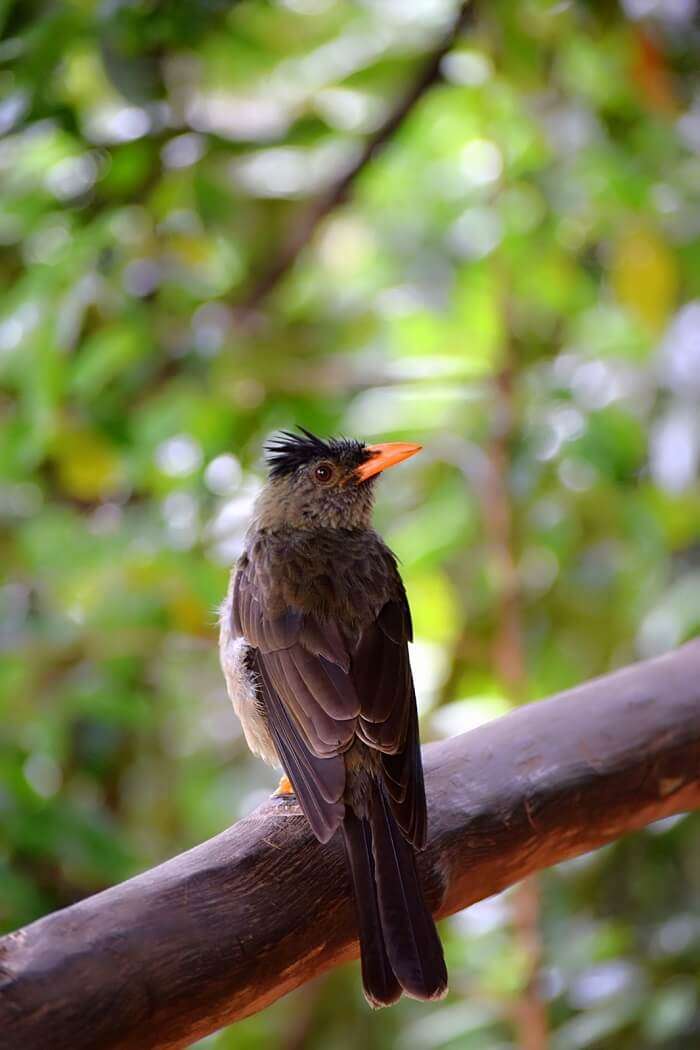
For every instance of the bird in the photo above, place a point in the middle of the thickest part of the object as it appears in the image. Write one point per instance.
(314, 634)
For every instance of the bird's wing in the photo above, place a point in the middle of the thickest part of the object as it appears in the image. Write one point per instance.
(321, 693)
(388, 717)
(302, 666)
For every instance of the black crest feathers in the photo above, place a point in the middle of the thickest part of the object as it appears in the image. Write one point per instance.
(287, 451)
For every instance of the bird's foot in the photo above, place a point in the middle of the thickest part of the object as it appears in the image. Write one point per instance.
(284, 789)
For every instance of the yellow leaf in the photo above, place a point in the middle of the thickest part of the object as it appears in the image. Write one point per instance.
(644, 275)
(189, 615)
(88, 467)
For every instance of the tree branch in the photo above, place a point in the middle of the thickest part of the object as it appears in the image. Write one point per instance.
(225, 929)
(339, 192)
(509, 659)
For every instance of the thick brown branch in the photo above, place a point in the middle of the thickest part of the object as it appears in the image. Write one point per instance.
(338, 193)
(223, 930)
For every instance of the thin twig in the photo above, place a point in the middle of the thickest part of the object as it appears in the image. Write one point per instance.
(340, 191)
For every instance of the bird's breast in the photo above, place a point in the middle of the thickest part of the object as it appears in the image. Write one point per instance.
(342, 574)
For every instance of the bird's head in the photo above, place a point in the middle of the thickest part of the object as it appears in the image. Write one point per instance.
(317, 483)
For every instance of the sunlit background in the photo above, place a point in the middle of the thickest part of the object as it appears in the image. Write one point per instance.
(512, 280)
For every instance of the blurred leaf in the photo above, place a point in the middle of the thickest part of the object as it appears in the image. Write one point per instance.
(88, 466)
(644, 276)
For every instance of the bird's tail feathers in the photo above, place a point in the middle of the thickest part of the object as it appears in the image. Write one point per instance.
(399, 945)
(378, 980)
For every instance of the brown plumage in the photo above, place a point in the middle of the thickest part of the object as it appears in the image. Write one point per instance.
(314, 644)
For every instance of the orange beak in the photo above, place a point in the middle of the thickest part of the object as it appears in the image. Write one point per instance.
(383, 456)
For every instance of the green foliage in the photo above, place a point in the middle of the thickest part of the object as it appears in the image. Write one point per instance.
(525, 247)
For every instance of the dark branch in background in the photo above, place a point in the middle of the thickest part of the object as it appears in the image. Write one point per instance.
(223, 930)
(510, 663)
(340, 191)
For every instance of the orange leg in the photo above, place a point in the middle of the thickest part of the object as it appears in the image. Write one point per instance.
(284, 788)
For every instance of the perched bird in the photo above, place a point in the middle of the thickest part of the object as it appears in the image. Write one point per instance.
(314, 648)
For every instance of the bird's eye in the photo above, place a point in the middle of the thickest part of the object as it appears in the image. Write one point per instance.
(323, 472)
